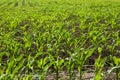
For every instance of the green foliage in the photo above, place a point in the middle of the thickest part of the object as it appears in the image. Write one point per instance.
(38, 37)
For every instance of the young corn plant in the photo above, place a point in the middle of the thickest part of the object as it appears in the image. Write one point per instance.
(70, 65)
(10, 68)
(28, 41)
(117, 63)
(57, 63)
(43, 66)
(19, 65)
(81, 56)
(99, 64)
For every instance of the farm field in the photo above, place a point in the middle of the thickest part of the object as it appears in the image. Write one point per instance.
(59, 39)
